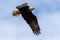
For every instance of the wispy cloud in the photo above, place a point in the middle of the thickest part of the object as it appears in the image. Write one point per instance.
(15, 28)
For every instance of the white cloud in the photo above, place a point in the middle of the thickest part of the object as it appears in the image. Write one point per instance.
(16, 28)
(13, 28)
(50, 25)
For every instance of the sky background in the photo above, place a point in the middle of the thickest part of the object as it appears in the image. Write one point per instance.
(15, 28)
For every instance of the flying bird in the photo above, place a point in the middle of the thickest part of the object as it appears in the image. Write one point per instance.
(28, 16)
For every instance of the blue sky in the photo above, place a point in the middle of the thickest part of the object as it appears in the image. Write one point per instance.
(15, 28)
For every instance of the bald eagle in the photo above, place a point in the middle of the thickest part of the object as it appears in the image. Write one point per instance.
(28, 16)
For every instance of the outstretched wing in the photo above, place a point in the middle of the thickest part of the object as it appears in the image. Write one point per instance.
(29, 18)
(34, 26)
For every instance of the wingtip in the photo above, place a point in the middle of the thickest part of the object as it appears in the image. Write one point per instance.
(37, 32)
(23, 5)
